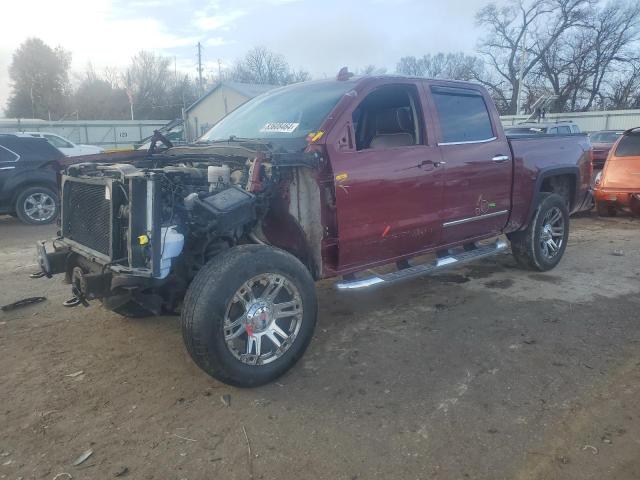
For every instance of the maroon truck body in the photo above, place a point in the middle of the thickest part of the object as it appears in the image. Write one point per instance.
(311, 181)
(395, 203)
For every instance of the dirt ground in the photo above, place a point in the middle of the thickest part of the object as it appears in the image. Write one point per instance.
(485, 372)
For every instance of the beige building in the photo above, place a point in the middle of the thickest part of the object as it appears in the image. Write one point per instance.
(223, 98)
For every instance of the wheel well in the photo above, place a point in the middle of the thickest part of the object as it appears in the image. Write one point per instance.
(563, 185)
(17, 189)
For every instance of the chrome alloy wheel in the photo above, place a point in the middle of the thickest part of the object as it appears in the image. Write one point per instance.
(39, 207)
(263, 319)
(552, 234)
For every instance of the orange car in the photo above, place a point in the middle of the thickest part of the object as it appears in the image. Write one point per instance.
(618, 185)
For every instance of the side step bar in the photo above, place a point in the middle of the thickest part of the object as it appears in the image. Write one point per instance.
(449, 261)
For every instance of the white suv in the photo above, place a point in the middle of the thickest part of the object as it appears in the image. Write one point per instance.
(67, 147)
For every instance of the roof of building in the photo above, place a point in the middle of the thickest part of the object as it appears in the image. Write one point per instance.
(248, 90)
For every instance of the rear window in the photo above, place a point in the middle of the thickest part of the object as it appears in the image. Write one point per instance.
(629, 146)
(605, 137)
(7, 156)
(463, 115)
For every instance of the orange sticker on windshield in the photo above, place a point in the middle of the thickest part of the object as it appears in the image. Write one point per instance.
(341, 177)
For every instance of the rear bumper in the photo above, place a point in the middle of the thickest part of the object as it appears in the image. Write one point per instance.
(621, 199)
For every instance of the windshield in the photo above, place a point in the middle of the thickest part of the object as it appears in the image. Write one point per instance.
(605, 137)
(286, 113)
(629, 146)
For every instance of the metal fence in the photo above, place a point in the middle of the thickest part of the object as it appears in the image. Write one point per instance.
(587, 121)
(110, 134)
(123, 134)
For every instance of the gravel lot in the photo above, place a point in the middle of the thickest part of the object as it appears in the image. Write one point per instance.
(485, 372)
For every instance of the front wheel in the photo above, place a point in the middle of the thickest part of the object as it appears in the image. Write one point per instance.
(249, 315)
(37, 205)
(541, 246)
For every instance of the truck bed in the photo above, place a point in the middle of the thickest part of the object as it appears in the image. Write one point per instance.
(533, 154)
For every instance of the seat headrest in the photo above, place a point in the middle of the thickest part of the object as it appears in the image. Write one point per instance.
(393, 120)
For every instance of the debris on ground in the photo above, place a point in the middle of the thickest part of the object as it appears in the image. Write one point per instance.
(249, 454)
(184, 438)
(226, 400)
(593, 449)
(63, 476)
(618, 253)
(83, 457)
(22, 303)
(121, 472)
(75, 374)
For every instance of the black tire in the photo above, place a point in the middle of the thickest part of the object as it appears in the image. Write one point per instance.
(606, 210)
(39, 191)
(213, 291)
(527, 245)
(129, 309)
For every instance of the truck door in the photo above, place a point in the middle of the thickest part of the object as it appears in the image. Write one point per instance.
(478, 167)
(387, 178)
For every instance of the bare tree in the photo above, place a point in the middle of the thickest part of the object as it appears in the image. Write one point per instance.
(263, 66)
(519, 35)
(624, 91)
(613, 29)
(588, 58)
(455, 66)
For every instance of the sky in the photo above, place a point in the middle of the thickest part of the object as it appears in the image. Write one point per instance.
(320, 37)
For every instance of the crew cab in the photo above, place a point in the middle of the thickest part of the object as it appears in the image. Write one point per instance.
(315, 180)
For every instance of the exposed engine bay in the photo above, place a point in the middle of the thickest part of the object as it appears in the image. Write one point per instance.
(142, 230)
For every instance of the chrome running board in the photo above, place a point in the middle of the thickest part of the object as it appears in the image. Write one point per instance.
(442, 263)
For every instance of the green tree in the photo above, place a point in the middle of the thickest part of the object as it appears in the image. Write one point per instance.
(39, 80)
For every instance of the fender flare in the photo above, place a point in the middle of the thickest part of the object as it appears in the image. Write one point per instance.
(549, 172)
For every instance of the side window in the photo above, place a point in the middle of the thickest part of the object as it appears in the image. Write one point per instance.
(553, 131)
(463, 115)
(575, 129)
(389, 117)
(7, 155)
(564, 130)
(58, 142)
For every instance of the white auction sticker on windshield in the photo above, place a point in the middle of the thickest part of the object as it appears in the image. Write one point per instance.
(279, 127)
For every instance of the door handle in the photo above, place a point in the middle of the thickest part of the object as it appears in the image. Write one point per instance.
(500, 158)
(425, 163)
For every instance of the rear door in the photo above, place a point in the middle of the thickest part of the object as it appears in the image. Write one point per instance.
(8, 162)
(388, 178)
(478, 166)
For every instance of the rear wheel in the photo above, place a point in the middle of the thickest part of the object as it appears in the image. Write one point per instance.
(606, 210)
(249, 315)
(541, 246)
(37, 205)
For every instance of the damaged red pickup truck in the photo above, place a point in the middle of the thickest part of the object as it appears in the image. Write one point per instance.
(310, 181)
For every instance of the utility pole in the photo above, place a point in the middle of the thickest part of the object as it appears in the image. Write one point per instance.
(219, 71)
(200, 67)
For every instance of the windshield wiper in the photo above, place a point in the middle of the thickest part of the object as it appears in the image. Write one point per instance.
(234, 139)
